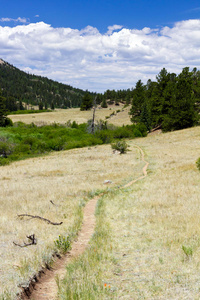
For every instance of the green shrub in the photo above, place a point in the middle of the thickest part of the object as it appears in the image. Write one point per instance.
(56, 144)
(63, 244)
(25, 148)
(142, 128)
(198, 163)
(30, 140)
(105, 136)
(6, 148)
(123, 132)
(74, 124)
(8, 122)
(4, 161)
(187, 250)
(120, 146)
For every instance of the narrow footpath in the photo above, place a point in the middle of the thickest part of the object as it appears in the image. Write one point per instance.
(46, 287)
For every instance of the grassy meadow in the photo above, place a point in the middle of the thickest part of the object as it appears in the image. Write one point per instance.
(61, 116)
(68, 179)
(147, 238)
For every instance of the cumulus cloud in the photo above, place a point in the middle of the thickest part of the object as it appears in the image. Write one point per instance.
(90, 60)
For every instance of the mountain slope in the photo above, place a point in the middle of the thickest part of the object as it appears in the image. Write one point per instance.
(20, 86)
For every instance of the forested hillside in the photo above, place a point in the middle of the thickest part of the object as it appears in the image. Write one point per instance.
(19, 87)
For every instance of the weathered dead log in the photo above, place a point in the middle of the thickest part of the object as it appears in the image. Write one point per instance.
(156, 128)
(41, 218)
(30, 237)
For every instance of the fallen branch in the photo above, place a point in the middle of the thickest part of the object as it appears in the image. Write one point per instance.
(30, 237)
(156, 128)
(41, 218)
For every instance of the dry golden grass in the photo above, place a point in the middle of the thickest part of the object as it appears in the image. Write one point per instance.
(147, 241)
(27, 187)
(63, 115)
(155, 219)
(154, 224)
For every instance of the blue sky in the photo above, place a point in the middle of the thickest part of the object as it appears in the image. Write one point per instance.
(78, 14)
(98, 45)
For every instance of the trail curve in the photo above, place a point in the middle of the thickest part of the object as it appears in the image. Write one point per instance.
(46, 287)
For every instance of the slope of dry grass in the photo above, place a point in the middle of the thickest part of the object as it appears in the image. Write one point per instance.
(67, 178)
(147, 242)
(156, 226)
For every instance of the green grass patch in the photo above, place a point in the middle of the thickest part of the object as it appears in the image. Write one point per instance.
(28, 111)
(85, 278)
(22, 141)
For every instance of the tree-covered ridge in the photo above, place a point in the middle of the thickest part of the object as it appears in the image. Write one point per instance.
(20, 87)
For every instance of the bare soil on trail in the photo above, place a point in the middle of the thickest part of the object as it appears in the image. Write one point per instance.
(46, 287)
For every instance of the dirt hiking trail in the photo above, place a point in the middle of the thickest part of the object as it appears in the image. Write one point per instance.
(45, 287)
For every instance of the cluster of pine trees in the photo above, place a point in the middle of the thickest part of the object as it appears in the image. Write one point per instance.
(170, 103)
(114, 97)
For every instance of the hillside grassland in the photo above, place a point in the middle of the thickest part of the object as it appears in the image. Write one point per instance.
(55, 187)
(147, 239)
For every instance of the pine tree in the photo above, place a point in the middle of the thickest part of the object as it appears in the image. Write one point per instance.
(138, 101)
(182, 112)
(2, 111)
(87, 102)
(104, 103)
(52, 105)
(145, 117)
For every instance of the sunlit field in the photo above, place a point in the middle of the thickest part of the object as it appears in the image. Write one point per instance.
(63, 115)
(147, 241)
(147, 238)
(54, 187)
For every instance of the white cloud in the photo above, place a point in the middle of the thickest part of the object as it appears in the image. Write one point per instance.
(19, 19)
(113, 28)
(196, 9)
(90, 60)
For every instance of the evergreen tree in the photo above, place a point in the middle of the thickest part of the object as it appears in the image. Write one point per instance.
(40, 105)
(46, 105)
(104, 103)
(145, 117)
(158, 98)
(21, 107)
(138, 101)
(52, 105)
(2, 111)
(87, 102)
(182, 113)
